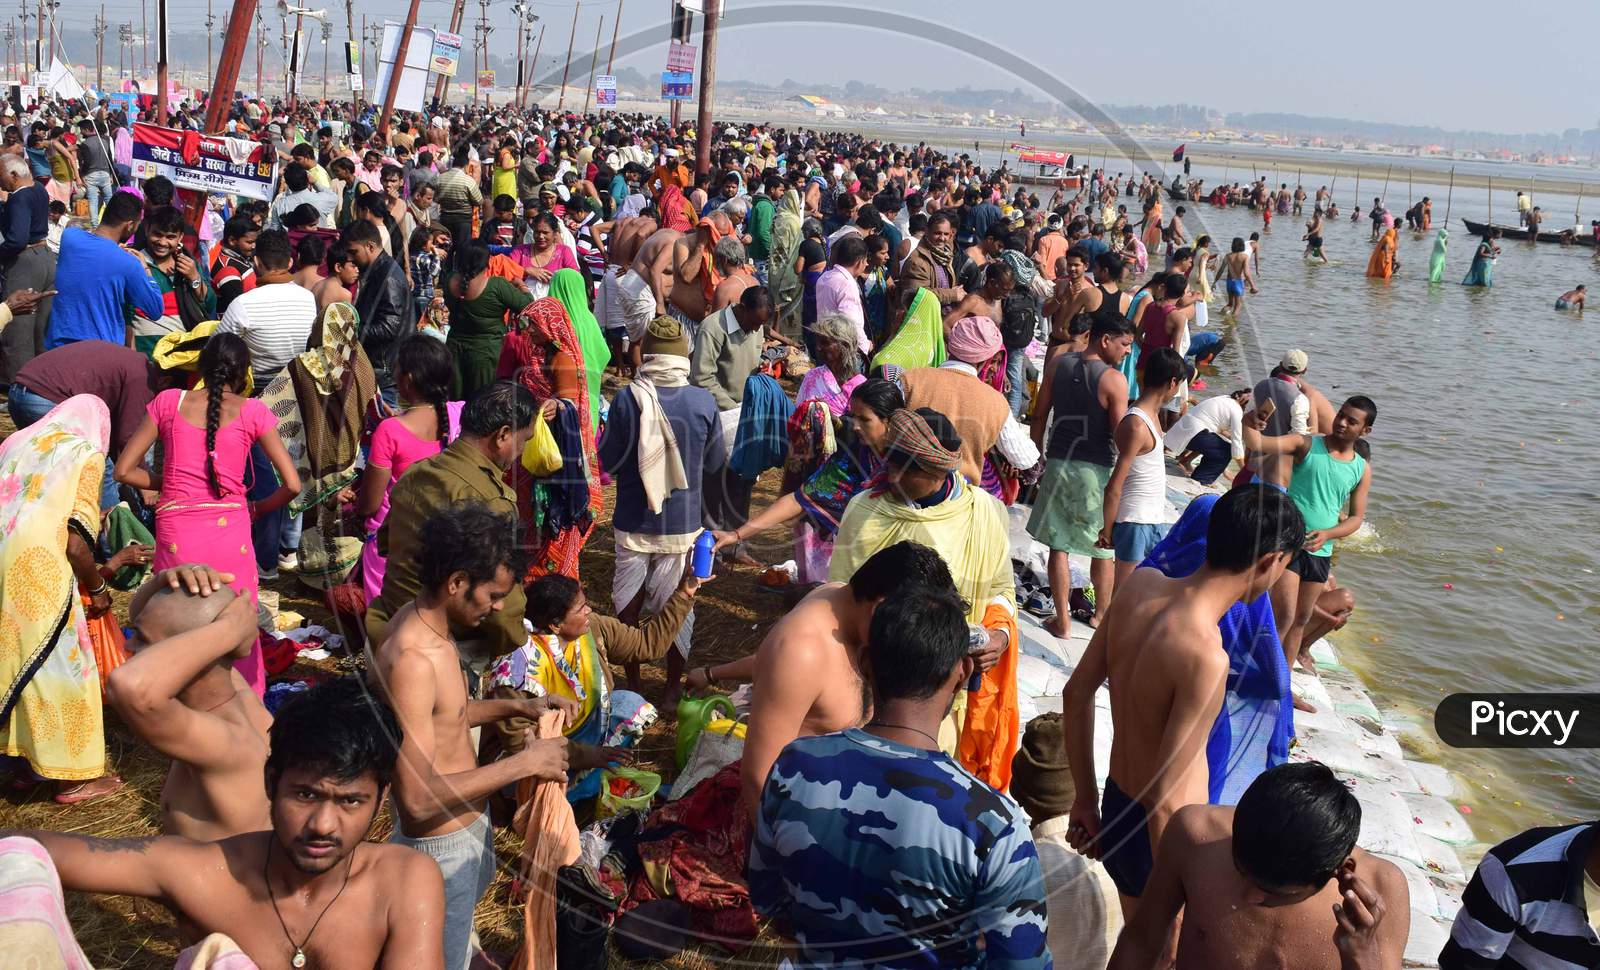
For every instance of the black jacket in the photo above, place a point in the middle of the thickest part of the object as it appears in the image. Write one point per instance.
(383, 301)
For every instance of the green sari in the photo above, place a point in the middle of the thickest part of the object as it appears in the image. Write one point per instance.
(785, 284)
(920, 340)
(567, 287)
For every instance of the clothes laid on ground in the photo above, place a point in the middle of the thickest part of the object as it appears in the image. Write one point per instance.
(49, 489)
(954, 881)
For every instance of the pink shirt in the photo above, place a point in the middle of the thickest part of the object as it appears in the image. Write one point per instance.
(838, 292)
(183, 472)
(394, 447)
(562, 258)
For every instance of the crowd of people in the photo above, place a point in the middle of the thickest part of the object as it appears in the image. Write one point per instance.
(421, 374)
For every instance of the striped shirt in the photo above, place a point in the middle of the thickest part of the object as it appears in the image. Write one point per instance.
(1525, 906)
(274, 320)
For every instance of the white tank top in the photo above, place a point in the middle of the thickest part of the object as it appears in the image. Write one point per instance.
(1144, 491)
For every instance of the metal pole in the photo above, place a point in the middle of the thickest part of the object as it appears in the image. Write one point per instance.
(350, 40)
(144, 29)
(100, 50)
(522, 56)
(327, 34)
(211, 65)
(161, 62)
(38, 36)
(594, 59)
(22, 75)
(561, 99)
(394, 72)
(708, 83)
(611, 57)
(261, 43)
(296, 64)
(538, 46)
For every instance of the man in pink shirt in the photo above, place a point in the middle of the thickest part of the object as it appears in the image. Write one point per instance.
(370, 174)
(839, 287)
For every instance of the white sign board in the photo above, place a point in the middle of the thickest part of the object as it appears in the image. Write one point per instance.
(412, 94)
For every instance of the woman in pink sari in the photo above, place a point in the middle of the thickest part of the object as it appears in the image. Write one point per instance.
(206, 435)
(541, 259)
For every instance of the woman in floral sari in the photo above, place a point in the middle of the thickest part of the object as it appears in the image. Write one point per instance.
(50, 487)
(817, 505)
(542, 353)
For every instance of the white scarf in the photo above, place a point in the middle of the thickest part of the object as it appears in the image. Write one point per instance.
(660, 465)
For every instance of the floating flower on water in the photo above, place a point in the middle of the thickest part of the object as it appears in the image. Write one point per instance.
(1449, 586)
(1466, 810)
(1499, 548)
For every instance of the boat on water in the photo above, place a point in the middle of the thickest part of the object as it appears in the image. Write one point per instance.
(1571, 237)
(1044, 167)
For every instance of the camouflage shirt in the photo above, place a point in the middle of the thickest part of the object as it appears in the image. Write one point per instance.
(883, 855)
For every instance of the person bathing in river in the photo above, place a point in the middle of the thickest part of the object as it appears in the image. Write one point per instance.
(1571, 300)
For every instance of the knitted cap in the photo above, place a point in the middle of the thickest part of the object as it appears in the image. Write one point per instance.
(665, 335)
(1041, 780)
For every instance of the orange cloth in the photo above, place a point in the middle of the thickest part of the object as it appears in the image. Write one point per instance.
(110, 648)
(710, 279)
(1381, 264)
(505, 268)
(989, 733)
(549, 841)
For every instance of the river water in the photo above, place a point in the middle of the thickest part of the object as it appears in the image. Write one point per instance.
(1477, 572)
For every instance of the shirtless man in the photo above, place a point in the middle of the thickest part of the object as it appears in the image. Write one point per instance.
(1160, 647)
(1234, 270)
(1070, 281)
(689, 301)
(1104, 298)
(309, 890)
(180, 694)
(440, 792)
(807, 672)
(1276, 881)
(641, 293)
(998, 280)
(336, 286)
(732, 262)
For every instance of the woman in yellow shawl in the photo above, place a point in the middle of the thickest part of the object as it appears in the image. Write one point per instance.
(569, 289)
(921, 497)
(49, 488)
(1381, 265)
(920, 340)
(783, 277)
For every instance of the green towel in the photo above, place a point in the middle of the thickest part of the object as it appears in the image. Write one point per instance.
(121, 529)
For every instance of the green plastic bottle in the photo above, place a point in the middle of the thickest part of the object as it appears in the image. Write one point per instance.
(694, 713)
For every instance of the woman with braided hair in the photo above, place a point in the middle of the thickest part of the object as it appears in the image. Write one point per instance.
(428, 420)
(206, 434)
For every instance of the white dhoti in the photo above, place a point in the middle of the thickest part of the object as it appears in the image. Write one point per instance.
(608, 302)
(657, 573)
(636, 305)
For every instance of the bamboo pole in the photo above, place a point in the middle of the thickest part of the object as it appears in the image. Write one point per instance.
(1449, 196)
(1491, 200)
(1577, 210)
(1358, 190)
(1386, 181)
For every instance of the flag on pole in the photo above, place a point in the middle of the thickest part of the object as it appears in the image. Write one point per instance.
(1177, 153)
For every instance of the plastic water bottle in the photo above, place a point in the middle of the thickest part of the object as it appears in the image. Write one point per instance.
(977, 639)
(702, 554)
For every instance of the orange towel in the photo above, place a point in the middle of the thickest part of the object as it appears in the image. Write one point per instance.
(989, 734)
(549, 841)
(110, 649)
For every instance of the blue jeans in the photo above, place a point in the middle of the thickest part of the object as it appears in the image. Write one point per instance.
(1017, 380)
(99, 186)
(267, 529)
(27, 408)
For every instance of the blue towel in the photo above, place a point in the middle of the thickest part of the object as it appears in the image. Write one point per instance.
(762, 441)
(1252, 731)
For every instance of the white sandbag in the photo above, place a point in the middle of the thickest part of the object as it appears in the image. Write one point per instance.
(1383, 745)
(1311, 689)
(1448, 892)
(1035, 677)
(1326, 657)
(1438, 818)
(1440, 858)
(1351, 701)
(1428, 936)
(1434, 779)
(1386, 826)
(1338, 751)
(1423, 900)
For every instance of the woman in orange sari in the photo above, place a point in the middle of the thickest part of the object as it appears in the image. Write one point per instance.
(542, 353)
(1152, 227)
(1381, 265)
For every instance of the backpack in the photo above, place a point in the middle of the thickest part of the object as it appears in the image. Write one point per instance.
(1019, 320)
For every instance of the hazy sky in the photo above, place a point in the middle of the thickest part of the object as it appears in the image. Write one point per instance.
(1379, 60)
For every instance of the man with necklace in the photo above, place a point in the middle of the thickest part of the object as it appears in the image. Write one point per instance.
(308, 892)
